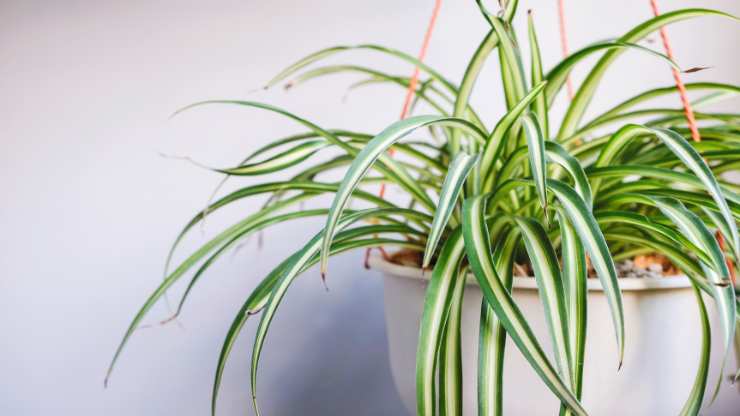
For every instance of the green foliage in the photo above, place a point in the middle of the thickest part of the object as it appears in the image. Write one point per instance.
(482, 196)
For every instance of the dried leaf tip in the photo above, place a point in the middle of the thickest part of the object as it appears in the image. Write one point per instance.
(696, 69)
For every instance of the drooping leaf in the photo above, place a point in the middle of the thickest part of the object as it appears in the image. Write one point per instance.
(585, 93)
(437, 301)
(550, 286)
(557, 154)
(559, 74)
(694, 401)
(494, 142)
(450, 354)
(259, 296)
(278, 162)
(575, 277)
(580, 216)
(492, 335)
(540, 105)
(684, 152)
(475, 65)
(367, 157)
(451, 188)
(292, 270)
(658, 92)
(696, 231)
(478, 251)
(536, 150)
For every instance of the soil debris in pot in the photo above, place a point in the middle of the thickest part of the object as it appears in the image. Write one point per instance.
(407, 257)
(642, 266)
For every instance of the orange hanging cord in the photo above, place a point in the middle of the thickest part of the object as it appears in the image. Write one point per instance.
(564, 43)
(688, 111)
(413, 82)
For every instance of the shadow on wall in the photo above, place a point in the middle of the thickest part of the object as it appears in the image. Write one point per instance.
(343, 346)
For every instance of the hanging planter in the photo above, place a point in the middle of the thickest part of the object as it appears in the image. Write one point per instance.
(479, 192)
(662, 323)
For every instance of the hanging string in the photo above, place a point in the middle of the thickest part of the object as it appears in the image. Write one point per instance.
(564, 43)
(688, 111)
(413, 82)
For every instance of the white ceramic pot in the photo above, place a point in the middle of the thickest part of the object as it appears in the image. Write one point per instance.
(663, 337)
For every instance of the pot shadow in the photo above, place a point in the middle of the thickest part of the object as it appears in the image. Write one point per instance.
(334, 352)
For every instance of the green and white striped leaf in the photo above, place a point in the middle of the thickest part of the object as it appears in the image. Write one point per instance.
(575, 277)
(550, 286)
(478, 251)
(672, 89)
(694, 401)
(260, 295)
(687, 154)
(643, 223)
(437, 301)
(367, 157)
(579, 215)
(540, 105)
(230, 233)
(717, 273)
(328, 52)
(387, 166)
(292, 270)
(585, 93)
(511, 59)
(280, 161)
(536, 150)
(494, 143)
(696, 231)
(475, 65)
(451, 188)
(559, 74)
(557, 154)
(492, 335)
(450, 354)
(308, 187)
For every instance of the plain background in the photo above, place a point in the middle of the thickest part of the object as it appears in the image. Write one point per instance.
(90, 206)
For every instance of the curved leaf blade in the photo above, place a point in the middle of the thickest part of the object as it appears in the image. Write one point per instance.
(478, 251)
(494, 143)
(550, 286)
(575, 277)
(451, 188)
(579, 215)
(492, 336)
(437, 301)
(587, 89)
(536, 150)
(681, 148)
(367, 157)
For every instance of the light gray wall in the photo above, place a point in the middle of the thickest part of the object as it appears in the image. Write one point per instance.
(90, 207)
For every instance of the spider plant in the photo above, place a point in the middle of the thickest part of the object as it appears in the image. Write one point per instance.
(553, 193)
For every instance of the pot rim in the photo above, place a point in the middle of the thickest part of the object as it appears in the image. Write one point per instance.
(529, 283)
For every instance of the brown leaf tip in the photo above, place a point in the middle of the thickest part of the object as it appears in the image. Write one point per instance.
(696, 69)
